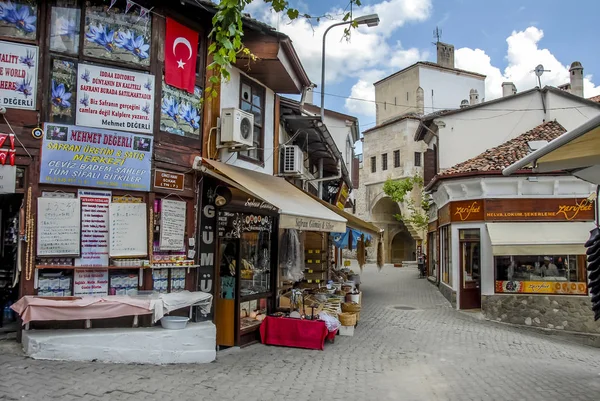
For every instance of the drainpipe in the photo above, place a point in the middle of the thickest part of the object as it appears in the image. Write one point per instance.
(325, 179)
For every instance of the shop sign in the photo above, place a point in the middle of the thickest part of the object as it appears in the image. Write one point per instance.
(539, 210)
(310, 224)
(114, 99)
(168, 180)
(251, 222)
(229, 225)
(207, 244)
(541, 287)
(342, 196)
(8, 179)
(94, 227)
(90, 157)
(241, 200)
(90, 282)
(18, 75)
(466, 211)
(432, 226)
(444, 215)
(172, 225)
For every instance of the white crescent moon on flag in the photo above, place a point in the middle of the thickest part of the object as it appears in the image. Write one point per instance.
(185, 42)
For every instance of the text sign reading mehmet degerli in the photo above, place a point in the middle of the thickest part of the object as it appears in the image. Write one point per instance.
(18, 75)
(115, 99)
(91, 157)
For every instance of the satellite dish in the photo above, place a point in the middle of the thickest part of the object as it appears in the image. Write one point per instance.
(539, 70)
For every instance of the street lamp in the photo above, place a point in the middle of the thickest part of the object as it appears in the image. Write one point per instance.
(370, 20)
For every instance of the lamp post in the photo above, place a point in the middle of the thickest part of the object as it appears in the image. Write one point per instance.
(370, 20)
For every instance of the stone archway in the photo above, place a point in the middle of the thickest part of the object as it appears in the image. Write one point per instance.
(398, 243)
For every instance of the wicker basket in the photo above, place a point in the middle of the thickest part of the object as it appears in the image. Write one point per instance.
(350, 307)
(347, 319)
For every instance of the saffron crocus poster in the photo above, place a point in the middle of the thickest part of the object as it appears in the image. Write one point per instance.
(18, 75)
(114, 35)
(64, 30)
(63, 81)
(180, 111)
(18, 19)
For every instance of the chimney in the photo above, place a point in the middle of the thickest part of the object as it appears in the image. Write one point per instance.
(445, 55)
(508, 88)
(464, 103)
(576, 74)
(420, 101)
(308, 97)
(473, 96)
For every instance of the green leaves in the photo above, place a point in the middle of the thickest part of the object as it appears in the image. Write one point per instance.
(397, 190)
(227, 34)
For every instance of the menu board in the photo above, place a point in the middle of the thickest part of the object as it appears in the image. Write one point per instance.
(172, 225)
(59, 227)
(128, 229)
(90, 282)
(94, 228)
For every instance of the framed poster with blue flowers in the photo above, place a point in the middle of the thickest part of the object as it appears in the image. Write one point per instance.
(63, 80)
(116, 35)
(18, 19)
(181, 112)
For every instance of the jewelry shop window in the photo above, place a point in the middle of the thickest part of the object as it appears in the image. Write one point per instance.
(541, 274)
(252, 100)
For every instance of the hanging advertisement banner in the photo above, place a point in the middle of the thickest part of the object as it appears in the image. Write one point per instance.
(89, 157)
(18, 75)
(94, 227)
(111, 98)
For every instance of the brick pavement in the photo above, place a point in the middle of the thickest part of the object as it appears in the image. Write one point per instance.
(430, 353)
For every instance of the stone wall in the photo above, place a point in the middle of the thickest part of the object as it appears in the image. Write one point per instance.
(448, 293)
(572, 313)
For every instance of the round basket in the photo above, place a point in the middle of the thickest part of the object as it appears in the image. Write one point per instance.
(347, 319)
(350, 307)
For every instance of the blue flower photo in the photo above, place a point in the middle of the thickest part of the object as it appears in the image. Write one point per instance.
(18, 19)
(181, 112)
(117, 36)
(29, 59)
(63, 80)
(24, 87)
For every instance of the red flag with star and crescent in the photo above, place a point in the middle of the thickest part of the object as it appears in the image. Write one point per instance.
(181, 50)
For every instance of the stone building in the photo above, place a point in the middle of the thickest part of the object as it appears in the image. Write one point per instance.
(389, 150)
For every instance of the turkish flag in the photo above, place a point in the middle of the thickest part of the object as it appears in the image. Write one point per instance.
(181, 50)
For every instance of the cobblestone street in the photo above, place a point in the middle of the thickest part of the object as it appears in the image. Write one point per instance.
(430, 353)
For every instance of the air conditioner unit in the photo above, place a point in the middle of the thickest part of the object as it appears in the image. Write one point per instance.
(293, 160)
(237, 127)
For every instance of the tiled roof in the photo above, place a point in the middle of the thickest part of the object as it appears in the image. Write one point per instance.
(496, 159)
(595, 99)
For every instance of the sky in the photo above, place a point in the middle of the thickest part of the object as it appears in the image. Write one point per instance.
(504, 40)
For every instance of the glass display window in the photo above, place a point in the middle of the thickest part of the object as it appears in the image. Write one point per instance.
(252, 313)
(471, 256)
(255, 268)
(545, 274)
(446, 251)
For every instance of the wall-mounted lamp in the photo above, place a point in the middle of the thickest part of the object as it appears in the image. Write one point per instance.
(223, 196)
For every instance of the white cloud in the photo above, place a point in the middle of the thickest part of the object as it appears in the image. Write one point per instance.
(523, 55)
(367, 48)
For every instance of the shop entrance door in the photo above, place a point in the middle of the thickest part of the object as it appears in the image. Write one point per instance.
(470, 269)
(225, 308)
(10, 205)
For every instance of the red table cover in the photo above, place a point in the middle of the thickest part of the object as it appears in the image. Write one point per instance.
(291, 332)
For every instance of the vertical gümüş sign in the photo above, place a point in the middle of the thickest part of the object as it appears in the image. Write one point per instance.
(18, 75)
(111, 98)
(94, 228)
(207, 244)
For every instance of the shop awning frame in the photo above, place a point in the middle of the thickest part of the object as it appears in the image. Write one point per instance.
(539, 238)
(297, 209)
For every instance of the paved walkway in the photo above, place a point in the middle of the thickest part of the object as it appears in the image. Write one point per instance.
(430, 353)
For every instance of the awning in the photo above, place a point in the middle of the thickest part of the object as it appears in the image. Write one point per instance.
(353, 221)
(576, 151)
(297, 209)
(340, 240)
(565, 238)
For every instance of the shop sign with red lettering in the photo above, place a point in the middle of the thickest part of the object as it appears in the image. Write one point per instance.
(91, 157)
(18, 75)
(114, 99)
